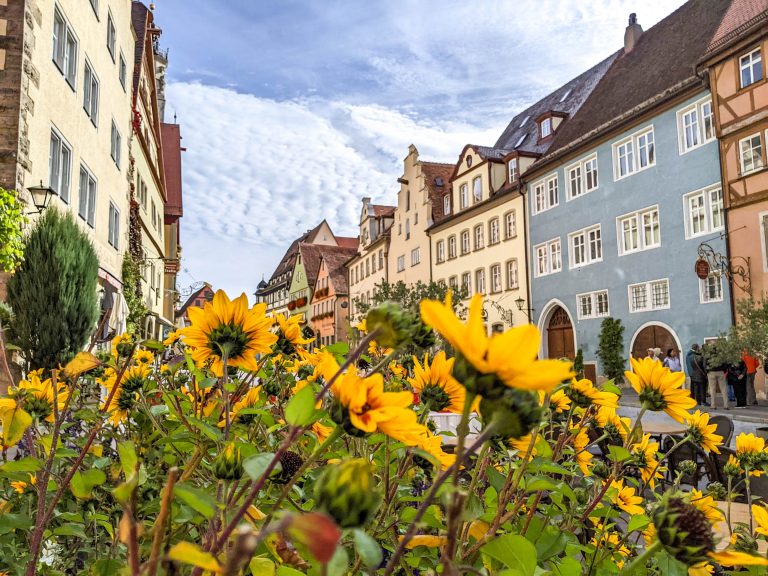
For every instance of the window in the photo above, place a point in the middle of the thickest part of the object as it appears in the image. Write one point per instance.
(466, 282)
(711, 288)
(87, 205)
(463, 196)
(695, 125)
(512, 277)
(95, 6)
(586, 246)
(546, 127)
(400, 263)
(548, 257)
(373, 262)
(115, 145)
(479, 240)
(451, 247)
(496, 278)
(751, 154)
(381, 259)
(513, 171)
(582, 177)
(477, 189)
(440, 248)
(465, 241)
(493, 231)
(633, 154)
(111, 37)
(453, 283)
(480, 281)
(114, 227)
(154, 215)
(751, 66)
(407, 200)
(446, 204)
(545, 194)
(638, 231)
(510, 225)
(703, 211)
(59, 166)
(122, 70)
(592, 305)
(91, 93)
(646, 296)
(64, 48)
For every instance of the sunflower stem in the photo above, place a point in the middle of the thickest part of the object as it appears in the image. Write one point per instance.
(749, 498)
(639, 562)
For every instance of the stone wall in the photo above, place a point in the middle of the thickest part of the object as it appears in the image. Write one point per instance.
(12, 25)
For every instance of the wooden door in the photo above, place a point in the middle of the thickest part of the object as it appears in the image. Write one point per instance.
(653, 337)
(590, 372)
(560, 336)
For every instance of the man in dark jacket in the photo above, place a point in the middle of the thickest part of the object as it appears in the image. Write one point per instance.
(694, 365)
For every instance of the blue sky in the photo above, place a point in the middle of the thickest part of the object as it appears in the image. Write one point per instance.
(292, 111)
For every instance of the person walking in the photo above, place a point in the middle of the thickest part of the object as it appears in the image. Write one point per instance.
(694, 365)
(737, 378)
(751, 363)
(716, 379)
(672, 361)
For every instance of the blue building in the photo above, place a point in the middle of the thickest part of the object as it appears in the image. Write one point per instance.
(624, 196)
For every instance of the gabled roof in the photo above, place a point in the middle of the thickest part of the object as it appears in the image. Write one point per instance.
(348, 241)
(171, 142)
(337, 272)
(489, 153)
(192, 297)
(312, 254)
(661, 64)
(437, 177)
(522, 133)
(740, 17)
(380, 210)
(289, 258)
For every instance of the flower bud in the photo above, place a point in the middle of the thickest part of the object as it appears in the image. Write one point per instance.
(423, 335)
(600, 469)
(717, 491)
(687, 467)
(683, 529)
(229, 464)
(514, 414)
(392, 324)
(345, 492)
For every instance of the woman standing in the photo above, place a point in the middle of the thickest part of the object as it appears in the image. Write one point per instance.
(672, 361)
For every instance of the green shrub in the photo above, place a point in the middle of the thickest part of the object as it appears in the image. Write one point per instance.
(611, 349)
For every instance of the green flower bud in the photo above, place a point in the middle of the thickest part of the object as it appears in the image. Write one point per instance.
(393, 325)
(346, 493)
(687, 467)
(683, 529)
(600, 469)
(228, 465)
(423, 335)
(582, 496)
(514, 414)
(124, 348)
(744, 541)
(717, 491)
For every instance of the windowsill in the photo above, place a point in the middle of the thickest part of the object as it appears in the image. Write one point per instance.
(570, 198)
(751, 172)
(639, 250)
(697, 146)
(752, 85)
(649, 309)
(710, 301)
(452, 258)
(510, 238)
(478, 249)
(585, 264)
(616, 177)
(512, 289)
(705, 233)
(494, 243)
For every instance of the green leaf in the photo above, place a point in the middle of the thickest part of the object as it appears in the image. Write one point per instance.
(82, 484)
(338, 349)
(71, 530)
(368, 549)
(638, 522)
(262, 567)
(106, 567)
(153, 345)
(339, 564)
(286, 571)
(128, 459)
(198, 500)
(514, 552)
(256, 465)
(11, 522)
(567, 567)
(618, 453)
(14, 421)
(27, 464)
(301, 408)
(551, 542)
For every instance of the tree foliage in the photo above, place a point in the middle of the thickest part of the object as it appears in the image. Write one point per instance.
(610, 350)
(751, 330)
(53, 292)
(12, 219)
(137, 310)
(409, 295)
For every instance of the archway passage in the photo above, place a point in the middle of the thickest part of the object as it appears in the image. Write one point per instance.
(560, 335)
(653, 336)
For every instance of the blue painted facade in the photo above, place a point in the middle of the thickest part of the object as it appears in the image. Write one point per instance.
(664, 184)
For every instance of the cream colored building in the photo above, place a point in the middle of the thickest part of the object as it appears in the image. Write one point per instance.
(66, 73)
(370, 266)
(423, 186)
(480, 243)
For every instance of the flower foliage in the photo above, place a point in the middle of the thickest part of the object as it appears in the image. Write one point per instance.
(239, 446)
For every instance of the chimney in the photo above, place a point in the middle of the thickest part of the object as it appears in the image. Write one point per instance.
(632, 33)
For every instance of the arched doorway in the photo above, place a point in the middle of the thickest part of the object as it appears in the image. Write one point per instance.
(654, 335)
(560, 342)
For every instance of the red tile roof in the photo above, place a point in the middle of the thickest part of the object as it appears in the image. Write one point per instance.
(311, 255)
(337, 272)
(381, 210)
(347, 241)
(437, 177)
(171, 142)
(741, 15)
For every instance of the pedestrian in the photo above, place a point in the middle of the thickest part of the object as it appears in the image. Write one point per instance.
(651, 355)
(694, 365)
(672, 361)
(752, 365)
(737, 379)
(716, 377)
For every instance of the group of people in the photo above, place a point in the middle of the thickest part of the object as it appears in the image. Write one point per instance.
(734, 381)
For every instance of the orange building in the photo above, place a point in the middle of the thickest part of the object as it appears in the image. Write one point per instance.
(330, 299)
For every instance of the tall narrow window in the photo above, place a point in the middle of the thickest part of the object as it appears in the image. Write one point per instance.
(463, 196)
(451, 246)
(115, 144)
(479, 241)
(496, 278)
(446, 204)
(465, 241)
(512, 281)
(64, 48)
(87, 190)
(466, 282)
(513, 171)
(111, 36)
(493, 231)
(510, 225)
(90, 94)
(695, 125)
(440, 249)
(122, 71)
(711, 289)
(480, 281)
(59, 166)
(114, 226)
(477, 189)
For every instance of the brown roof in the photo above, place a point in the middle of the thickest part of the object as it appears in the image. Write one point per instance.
(204, 288)
(171, 142)
(662, 63)
(437, 177)
(382, 210)
(337, 272)
(740, 16)
(289, 258)
(141, 18)
(312, 254)
(348, 241)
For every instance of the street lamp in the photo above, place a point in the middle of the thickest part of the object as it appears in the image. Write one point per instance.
(520, 306)
(41, 197)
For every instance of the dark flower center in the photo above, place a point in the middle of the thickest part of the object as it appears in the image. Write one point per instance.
(228, 338)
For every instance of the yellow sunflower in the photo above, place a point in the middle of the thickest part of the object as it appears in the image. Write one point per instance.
(644, 453)
(701, 569)
(119, 344)
(626, 499)
(734, 558)
(19, 486)
(37, 395)
(248, 400)
(702, 432)
(612, 423)
(511, 356)
(760, 514)
(659, 388)
(558, 401)
(583, 456)
(522, 445)
(172, 338)
(707, 505)
(434, 445)
(124, 400)
(584, 393)
(435, 384)
(750, 451)
(144, 357)
(426, 540)
(290, 329)
(229, 327)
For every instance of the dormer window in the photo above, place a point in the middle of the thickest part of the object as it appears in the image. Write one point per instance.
(546, 127)
(513, 171)
(469, 161)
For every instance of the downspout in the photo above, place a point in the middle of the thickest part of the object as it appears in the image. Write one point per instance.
(528, 275)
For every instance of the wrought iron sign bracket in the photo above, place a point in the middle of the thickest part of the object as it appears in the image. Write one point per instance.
(736, 269)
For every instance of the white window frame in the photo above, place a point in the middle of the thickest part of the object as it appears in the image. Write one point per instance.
(446, 204)
(466, 282)
(581, 180)
(633, 146)
(465, 235)
(115, 144)
(463, 196)
(111, 36)
(587, 237)
(91, 93)
(87, 203)
(477, 189)
(440, 251)
(551, 255)
(707, 205)
(648, 288)
(512, 169)
(415, 256)
(757, 164)
(510, 225)
(59, 168)
(593, 299)
(697, 111)
(496, 282)
(113, 233)
(543, 198)
(704, 297)
(65, 47)
(480, 287)
(479, 237)
(122, 71)
(637, 220)
(750, 65)
(545, 128)
(451, 246)
(513, 274)
(401, 263)
(494, 235)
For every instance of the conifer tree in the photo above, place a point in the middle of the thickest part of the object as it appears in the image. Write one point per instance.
(53, 292)
(611, 349)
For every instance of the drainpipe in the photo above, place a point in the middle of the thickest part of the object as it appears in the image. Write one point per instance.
(528, 275)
